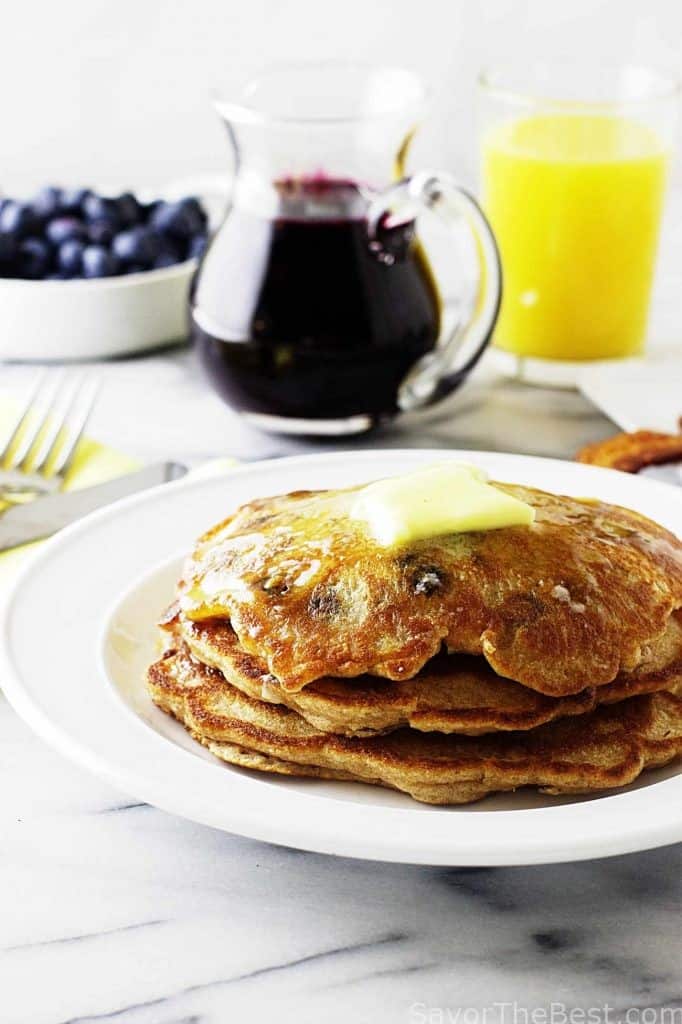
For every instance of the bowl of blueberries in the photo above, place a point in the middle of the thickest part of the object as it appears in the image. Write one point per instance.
(85, 275)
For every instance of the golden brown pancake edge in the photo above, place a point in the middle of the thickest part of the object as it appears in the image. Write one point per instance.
(452, 693)
(601, 750)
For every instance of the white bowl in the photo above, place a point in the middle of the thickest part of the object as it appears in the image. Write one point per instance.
(91, 319)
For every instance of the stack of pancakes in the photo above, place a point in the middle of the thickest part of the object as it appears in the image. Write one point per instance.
(547, 655)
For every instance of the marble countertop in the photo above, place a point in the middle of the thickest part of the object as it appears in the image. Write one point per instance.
(113, 911)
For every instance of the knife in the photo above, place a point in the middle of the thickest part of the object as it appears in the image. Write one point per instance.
(44, 516)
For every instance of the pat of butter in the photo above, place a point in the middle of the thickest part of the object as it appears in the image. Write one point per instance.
(448, 497)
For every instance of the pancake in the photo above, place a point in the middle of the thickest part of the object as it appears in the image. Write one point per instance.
(607, 748)
(564, 604)
(451, 694)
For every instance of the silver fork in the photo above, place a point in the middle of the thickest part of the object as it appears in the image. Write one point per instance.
(43, 443)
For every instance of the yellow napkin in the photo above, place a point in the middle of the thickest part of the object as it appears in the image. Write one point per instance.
(93, 464)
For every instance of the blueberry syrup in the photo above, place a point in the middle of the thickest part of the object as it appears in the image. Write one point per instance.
(315, 319)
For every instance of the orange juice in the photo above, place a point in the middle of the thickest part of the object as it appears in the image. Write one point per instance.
(575, 201)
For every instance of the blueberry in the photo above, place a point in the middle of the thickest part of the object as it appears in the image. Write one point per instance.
(70, 257)
(135, 268)
(147, 210)
(18, 219)
(101, 207)
(164, 259)
(98, 262)
(33, 260)
(197, 247)
(57, 275)
(137, 245)
(124, 246)
(102, 231)
(62, 228)
(180, 220)
(73, 199)
(47, 202)
(170, 247)
(129, 210)
(192, 205)
(8, 247)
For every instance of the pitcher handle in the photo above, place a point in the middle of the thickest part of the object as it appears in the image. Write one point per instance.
(440, 371)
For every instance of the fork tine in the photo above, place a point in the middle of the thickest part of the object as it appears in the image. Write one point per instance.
(58, 414)
(80, 420)
(22, 420)
(41, 408)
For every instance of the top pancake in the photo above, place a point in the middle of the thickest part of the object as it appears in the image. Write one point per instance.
(557, 606)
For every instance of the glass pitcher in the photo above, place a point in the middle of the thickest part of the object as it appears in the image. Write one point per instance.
(315, 309)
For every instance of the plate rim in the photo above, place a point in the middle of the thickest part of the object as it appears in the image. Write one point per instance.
(599, 840)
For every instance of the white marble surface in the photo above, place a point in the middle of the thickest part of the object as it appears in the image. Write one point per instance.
(158, 406)
(114, 911)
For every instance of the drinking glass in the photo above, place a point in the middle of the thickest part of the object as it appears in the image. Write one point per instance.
(574, 162)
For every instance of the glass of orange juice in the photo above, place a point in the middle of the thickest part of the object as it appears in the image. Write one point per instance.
(574, 166)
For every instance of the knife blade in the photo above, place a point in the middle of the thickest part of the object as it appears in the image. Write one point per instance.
(34, 520)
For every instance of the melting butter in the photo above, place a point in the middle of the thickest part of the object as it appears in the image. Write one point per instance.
(447, 497)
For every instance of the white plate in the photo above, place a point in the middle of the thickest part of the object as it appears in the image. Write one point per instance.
(78, 630)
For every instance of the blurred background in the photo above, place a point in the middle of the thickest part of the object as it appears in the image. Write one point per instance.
(118, 92)
(117, 96)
